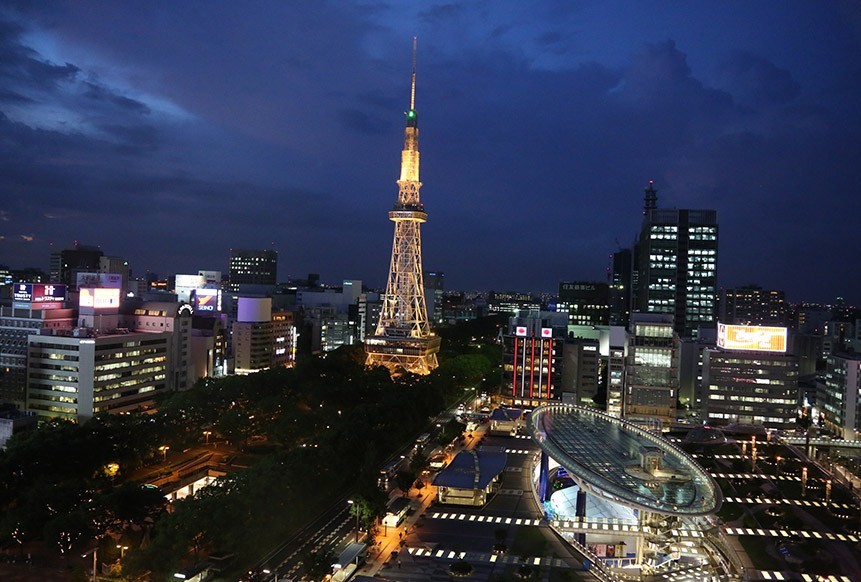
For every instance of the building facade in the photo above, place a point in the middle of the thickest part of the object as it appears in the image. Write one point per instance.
(15, 327)
(581, 371)
(753, 305)
(677, 267)
(585, 302)
(532, 358)
(249, 267)
(66, 264)
(651, 376)
(78, 377)
(840, 397)
(750, 388)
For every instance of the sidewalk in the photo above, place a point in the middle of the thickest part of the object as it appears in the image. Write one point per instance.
(391, 540)
(392, 537)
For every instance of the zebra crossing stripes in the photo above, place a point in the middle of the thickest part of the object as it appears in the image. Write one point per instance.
(519, 451)
(484, 557)
(809, 578)
(754, 476)
(746, 531)
(801, 502)
(484, 518)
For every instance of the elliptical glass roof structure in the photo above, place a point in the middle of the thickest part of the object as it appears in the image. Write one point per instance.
(603, 454)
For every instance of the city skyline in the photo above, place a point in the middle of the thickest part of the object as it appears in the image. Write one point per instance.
(281, 124)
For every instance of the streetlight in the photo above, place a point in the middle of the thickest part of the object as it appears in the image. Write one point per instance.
(164, 449)
(356, 508)
(122, 550)
(95, 553)
(206, 433)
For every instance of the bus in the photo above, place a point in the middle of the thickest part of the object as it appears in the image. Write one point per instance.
(422, 440)
(386, 478)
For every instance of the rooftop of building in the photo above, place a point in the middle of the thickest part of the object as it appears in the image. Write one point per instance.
(603, 455)
(506, 414)
(473, 469)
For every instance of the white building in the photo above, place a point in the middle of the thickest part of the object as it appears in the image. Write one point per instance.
(77, 377)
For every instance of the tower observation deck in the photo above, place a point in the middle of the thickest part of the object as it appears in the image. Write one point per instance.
(403, 339)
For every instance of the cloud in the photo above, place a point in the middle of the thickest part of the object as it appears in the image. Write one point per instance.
(362, 122)
(757, 82)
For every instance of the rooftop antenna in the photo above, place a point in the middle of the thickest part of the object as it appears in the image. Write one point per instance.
(413, 89)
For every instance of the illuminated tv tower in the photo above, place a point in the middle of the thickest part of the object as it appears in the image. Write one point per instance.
(403, 338)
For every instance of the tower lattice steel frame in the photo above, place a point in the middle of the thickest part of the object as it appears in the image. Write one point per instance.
(403, 338)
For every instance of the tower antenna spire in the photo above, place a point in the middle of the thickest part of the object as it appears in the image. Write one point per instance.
(413, 88)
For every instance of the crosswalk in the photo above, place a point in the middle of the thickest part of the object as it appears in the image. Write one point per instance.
(754, 476)
(487, 557)
(776, 575)
(483, 518)
(799, 502)
(789, 533)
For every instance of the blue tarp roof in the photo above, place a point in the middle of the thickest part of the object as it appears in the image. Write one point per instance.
(461, 472)
(506, 414)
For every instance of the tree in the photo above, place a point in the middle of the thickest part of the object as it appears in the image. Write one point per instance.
(234, 425)
(318, 564)
(405, 480)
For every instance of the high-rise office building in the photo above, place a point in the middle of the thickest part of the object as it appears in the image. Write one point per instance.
(585, 302)
(651, 378)
(16, 324)
(66, 264)
(252, 267)
(840, 396)
(749, 378)
(581, 370)
(532, 358)
(677, 266)
(621, 287)
(77, 377)
(434, 294)
(403, 338)
(753, 305)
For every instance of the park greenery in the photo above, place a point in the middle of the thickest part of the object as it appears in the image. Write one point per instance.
(328, 425)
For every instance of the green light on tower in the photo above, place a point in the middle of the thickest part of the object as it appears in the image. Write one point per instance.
(411, 113)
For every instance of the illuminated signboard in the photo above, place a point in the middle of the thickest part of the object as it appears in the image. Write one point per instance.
(546, 332)
(99, 280)
(751, 338)
(39, 293)
(207, 300)
(100, 298)
(520, 331)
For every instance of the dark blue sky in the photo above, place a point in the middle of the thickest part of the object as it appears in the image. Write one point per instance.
(168, 132)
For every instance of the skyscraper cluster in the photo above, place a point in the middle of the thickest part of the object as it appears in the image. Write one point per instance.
(660, 341)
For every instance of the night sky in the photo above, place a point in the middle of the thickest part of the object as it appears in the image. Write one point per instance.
(169, 132)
